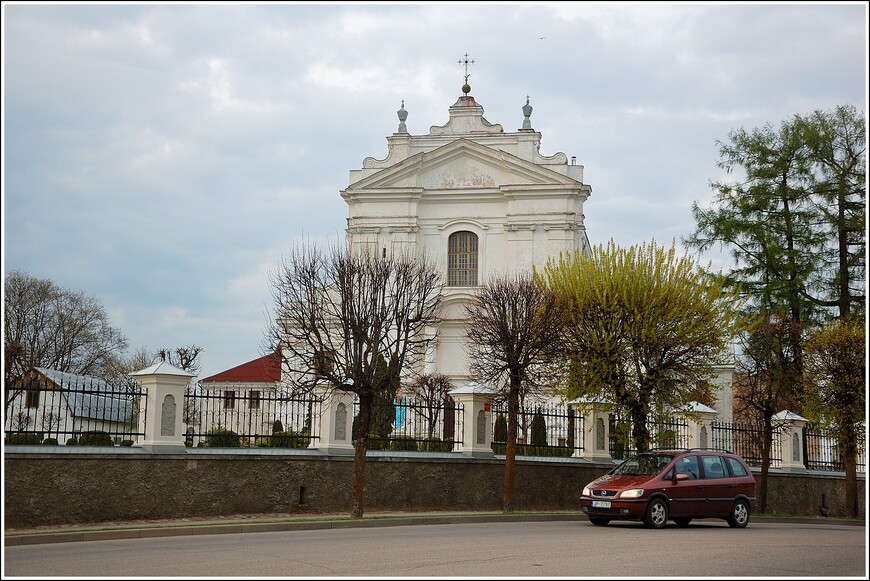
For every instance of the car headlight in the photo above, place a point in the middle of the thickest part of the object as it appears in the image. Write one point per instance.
(586, 491)
(631, 493)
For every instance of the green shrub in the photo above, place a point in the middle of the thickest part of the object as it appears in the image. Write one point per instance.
(95, 438)
(289, 439)
(437, 445)
(126, 442)
(24, 439)
(571, 427)
(539, 429)
(222, 438)
(72, 442)
(277, 427)
(281, 439)
(49, 442)
(403, 443)
(499, 431)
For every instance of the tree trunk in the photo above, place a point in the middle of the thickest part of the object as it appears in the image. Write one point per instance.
(766, 444)
(359, 458)
(639, 429)
(850, 466)
(510, 452)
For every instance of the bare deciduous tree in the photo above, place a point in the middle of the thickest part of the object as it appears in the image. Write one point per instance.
(432, 392)
(353, 322)
(55, 328)
(514, 328)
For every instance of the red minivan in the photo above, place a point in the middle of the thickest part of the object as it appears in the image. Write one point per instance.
(678, 485)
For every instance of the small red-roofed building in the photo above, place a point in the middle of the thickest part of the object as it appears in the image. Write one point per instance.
(246, 399)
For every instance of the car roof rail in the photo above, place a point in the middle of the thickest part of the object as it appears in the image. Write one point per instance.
(710, 450)
(670, 449)
(677, 449)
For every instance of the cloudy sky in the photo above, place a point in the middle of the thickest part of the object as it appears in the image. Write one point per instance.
(164, 157)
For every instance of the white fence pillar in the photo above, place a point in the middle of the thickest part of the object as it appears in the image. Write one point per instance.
(788, 427)
(699, 421)
(336, 422)
(162, 422)
(476, 426)
(596, 431)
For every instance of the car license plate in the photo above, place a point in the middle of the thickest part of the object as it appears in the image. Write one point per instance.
(600, 504)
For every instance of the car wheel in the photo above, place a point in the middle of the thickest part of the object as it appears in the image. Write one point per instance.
(739, 516)
(682, 521)
(656, 514)
(599, 521)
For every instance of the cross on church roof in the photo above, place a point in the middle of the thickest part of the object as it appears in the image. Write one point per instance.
(466, 62)
(466, 88)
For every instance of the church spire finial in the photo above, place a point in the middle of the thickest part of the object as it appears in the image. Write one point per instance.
(402, 116)
(466, 88)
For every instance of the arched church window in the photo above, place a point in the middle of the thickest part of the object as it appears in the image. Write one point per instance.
(462, 259)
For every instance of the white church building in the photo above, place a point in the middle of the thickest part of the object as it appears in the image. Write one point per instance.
(478, 200)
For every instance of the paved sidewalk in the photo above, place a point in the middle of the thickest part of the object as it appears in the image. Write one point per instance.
(290, 522)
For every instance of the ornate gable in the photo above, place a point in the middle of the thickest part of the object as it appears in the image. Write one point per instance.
(461, 164)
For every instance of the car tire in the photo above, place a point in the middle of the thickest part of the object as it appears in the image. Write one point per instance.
(682, 521)
(738, 518)
(600, 522)
(656, 514)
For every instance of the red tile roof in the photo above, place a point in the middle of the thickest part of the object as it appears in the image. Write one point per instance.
(266, 369)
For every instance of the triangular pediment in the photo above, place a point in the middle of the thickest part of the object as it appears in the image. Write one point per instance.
(462, 164)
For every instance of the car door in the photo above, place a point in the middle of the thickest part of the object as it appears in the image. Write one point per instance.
(742, 481)
(688, 496)
(718, 485)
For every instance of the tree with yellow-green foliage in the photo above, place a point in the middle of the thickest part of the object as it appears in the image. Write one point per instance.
(645, 328)
(837, 368)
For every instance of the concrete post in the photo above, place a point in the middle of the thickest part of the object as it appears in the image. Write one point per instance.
(476, 426)
(788, 427)
(163, 420)
(336, 422)
(596, 431)
(700, 432)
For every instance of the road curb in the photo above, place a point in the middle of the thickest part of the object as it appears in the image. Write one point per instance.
(134, 531)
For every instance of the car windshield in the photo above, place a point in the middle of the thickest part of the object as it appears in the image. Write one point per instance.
(643, 465)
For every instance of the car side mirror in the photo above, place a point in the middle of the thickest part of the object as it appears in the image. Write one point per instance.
(681, 476)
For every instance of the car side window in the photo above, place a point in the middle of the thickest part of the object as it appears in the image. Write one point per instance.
(713, 467)
(688, 465)
(737, 468)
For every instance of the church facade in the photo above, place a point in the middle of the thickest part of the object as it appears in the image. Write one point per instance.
(476, 200)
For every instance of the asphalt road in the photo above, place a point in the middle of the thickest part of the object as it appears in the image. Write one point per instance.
(493, 549)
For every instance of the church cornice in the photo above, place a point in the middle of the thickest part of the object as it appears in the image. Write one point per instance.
(518, 191)
(386, 194)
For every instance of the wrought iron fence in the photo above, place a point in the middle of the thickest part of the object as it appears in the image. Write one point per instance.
(413, 425)
(822, 452)
(66, 409)
(745, 440)
(250, 418)
(544, 429)
(664, 433)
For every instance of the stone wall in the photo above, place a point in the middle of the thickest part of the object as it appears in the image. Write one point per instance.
(76, 485)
